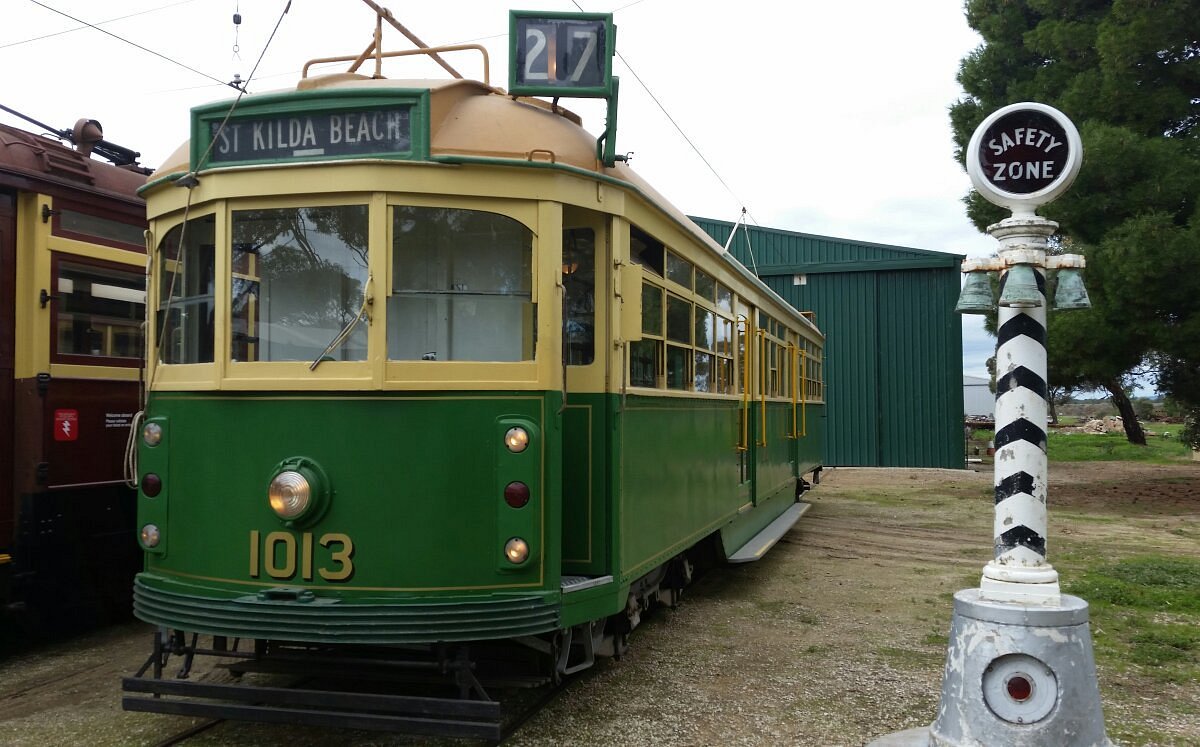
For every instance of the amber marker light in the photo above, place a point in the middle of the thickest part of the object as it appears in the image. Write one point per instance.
(289, 494)
(516, 439)
(516, 550)
(152, 434)
(150, 536)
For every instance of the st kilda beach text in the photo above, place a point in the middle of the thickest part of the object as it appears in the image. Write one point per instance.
(342, 133)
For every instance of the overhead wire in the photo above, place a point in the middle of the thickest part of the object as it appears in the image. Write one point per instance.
(189, 182)
(131, 43)
(672, 120)
(98, 23)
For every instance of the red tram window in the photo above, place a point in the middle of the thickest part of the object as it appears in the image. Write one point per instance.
(97, 312)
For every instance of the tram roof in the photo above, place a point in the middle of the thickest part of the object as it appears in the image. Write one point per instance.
(38, 162)
(470, 120)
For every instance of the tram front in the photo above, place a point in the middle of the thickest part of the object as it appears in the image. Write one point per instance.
(354, 372)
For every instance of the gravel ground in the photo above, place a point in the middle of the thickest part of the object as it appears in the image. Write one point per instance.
(836, 637)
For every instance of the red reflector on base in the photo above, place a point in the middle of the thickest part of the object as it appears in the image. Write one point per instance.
(1019, 688)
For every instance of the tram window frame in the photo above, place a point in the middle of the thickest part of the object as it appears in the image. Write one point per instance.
(335, 266)
(59, 260)
(647, 251)
(65, 209)
(529, 310)
(205, 342)
(686, 358)
(681, 271)
(579, 296)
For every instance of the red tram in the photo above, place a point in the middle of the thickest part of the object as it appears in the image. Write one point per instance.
(72, 305)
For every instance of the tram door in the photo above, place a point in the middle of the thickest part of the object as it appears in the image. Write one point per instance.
(585, 251)
(748, 366)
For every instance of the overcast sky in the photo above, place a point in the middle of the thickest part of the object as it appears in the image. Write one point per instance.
(825, 118)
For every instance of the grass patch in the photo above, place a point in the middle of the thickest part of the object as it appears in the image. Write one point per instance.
(1107, 447)
(1126, 596)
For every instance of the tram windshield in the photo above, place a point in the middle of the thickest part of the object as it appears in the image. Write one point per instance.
(461, 286)
(299, 275)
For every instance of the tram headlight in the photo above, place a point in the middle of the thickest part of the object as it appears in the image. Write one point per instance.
(289, 494)
(516, 550)
(152, 434)
(516, 439)
(150, 535)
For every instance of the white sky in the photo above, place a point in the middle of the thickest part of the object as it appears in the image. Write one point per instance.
(821, 117)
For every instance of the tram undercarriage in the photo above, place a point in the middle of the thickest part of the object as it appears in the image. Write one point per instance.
(387, 688)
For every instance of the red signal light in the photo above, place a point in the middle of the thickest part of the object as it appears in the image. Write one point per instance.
(516, 494)
(151, 484)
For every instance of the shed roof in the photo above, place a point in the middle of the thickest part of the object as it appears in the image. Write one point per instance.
(780, 252)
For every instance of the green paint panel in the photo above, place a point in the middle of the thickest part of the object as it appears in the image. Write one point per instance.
(668, 502)
(417, 492)
(585, 536)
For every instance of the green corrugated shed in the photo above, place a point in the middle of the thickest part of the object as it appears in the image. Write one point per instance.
(893, 351)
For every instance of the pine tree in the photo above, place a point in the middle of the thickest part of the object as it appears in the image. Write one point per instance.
(1127, 72)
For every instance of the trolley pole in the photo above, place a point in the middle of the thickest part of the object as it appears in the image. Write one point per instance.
(1019, 667)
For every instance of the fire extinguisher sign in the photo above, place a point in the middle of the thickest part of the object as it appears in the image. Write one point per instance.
(66, 425)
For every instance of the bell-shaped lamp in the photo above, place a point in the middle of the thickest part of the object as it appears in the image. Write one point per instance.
(1020, 288)
(976, 296)
(1070, 293)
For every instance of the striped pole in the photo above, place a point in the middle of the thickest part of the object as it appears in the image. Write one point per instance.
(1020, 572)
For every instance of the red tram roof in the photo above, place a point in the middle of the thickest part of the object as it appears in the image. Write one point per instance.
(31, 161)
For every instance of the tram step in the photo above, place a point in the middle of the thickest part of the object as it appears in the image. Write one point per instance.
(771, 533)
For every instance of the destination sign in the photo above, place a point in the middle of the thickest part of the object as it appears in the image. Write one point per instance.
(560, 54)
(1024, 155)
(324, 134)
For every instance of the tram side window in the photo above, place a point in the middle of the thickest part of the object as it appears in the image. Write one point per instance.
(645, 355)
(100, 311)
(579, 303)
(184, 325)
(646, 251)
(94, 226)
(299, 275)
(461, 286)
(679, 330)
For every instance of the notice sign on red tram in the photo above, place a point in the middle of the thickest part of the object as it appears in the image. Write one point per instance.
(1024, 155)
(66, 425)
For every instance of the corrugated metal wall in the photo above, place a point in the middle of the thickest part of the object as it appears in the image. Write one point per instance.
(893, 355)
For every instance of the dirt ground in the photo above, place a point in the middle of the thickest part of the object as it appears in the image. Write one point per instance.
(836, 637)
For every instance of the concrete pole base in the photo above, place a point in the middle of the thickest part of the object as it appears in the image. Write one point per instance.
(1015, 675)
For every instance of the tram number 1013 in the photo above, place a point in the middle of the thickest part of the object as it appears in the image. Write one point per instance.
(278, 553)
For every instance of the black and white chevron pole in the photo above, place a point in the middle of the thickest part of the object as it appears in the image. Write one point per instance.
(1019, 667)
(1020, 572)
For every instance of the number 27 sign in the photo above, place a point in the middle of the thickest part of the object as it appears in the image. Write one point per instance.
(560, 54)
